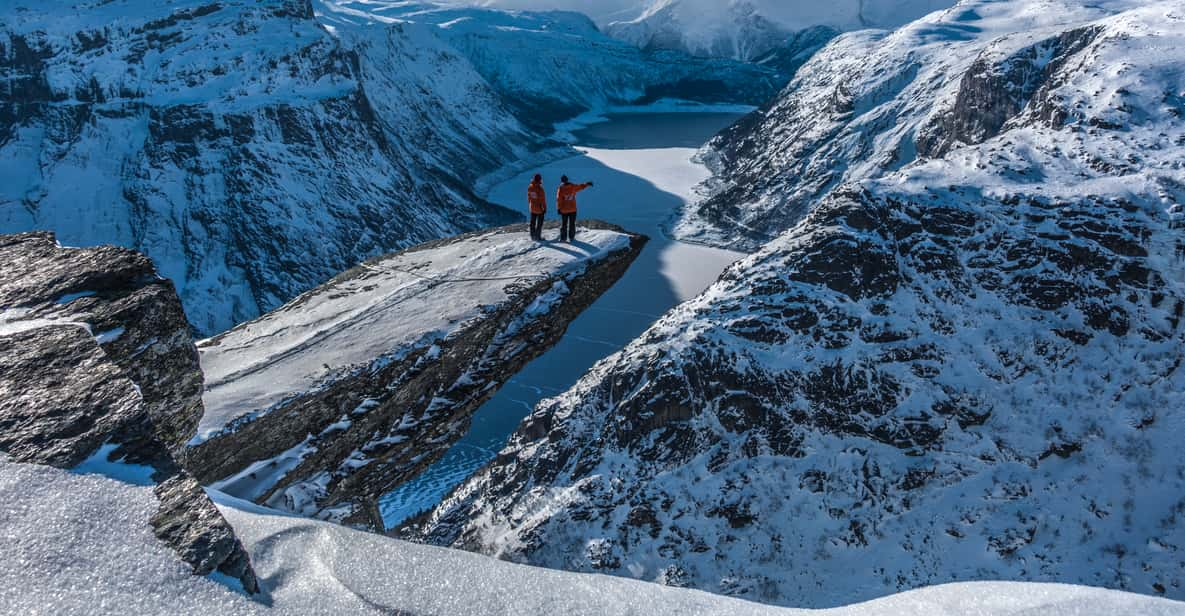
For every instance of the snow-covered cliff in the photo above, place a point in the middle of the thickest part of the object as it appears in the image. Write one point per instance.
(324, 405)
(256, 149)
(970, 368)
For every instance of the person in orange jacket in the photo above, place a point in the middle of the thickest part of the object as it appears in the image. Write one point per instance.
(537, 200)
(565, 203)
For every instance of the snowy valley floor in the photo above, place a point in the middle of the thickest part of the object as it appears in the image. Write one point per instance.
(78, 544)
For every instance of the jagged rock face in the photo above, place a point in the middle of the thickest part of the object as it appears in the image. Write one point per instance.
(239, 144)
(332, 448)
(95, 351)
(969, 369)
(871, 103)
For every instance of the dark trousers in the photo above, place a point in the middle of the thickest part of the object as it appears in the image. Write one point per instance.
(568, 227)
(536, 225)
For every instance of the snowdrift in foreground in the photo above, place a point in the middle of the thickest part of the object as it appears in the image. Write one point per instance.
(78, 545)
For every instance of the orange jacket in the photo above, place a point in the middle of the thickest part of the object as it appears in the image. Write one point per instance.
(537, 198)
(565, 199)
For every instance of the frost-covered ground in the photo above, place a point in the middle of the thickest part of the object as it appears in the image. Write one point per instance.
(78, 544)
(385, 307)
(641, 166)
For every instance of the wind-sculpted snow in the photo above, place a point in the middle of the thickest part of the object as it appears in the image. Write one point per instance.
(552, 66)
(871, 103)
(250, 153)
(78, 545)
(969, 369)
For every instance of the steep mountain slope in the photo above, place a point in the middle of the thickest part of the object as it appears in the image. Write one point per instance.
(323, 406)
(969, 369)
(870, 103)
(250, 153)
(551, 66)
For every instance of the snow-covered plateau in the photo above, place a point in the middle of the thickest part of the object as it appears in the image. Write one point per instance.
(966, 368)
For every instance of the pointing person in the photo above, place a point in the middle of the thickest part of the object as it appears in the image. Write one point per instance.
(537, 200)
(566, 205)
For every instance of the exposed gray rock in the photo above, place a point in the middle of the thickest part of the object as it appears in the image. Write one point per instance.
(995, 90)
(95, 351)
(189, 521)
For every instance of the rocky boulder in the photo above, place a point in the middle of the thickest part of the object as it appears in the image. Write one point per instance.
(96, 363)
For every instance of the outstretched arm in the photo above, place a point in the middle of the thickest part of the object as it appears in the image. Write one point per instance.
(583, 186)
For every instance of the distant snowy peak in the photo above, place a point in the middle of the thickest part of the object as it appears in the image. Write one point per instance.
(748, 29)
(735, 30)
(550, 66)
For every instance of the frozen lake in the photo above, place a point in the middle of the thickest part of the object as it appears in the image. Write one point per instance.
(641, 165)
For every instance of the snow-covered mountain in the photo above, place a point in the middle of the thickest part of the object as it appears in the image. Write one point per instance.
(874, 102)
(250, 153)
(969, 368)
(739, 29)
(254, 151)
(550, 66)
